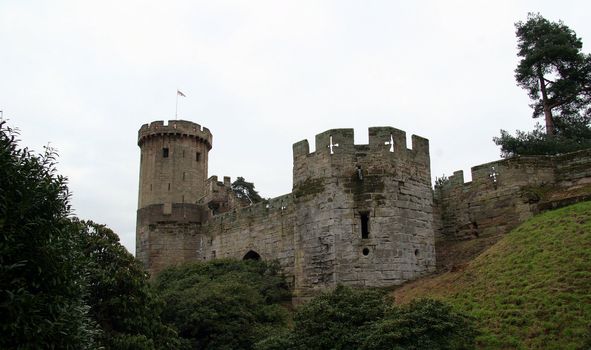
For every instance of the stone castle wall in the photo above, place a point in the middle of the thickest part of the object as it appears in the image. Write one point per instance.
(387, 186)
(173, 170)
(265, 228)
(167, 235)
(505, 193)
(357, 215)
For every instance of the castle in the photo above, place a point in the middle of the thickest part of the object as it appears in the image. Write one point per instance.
(357, 215)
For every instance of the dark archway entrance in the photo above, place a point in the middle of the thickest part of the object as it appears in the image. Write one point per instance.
(252, 255)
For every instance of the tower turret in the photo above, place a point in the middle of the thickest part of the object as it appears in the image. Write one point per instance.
(173, 171)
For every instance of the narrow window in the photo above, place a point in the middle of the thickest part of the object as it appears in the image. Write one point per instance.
(183, 153)
(184, 175)
(169, 186)
(364, 216)
(197, 156)
(165, 152)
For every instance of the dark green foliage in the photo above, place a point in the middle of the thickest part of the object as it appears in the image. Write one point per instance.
(554, 71)
(361, 318)
(440, 182)
(122, 301)
(339, 319)
(42, 268)
(422, 324)
(538, 142)
(245, 190)
(224, 304)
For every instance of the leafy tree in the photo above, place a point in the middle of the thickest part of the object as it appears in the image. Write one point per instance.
(422, 324)
(245, 190)
(122, 301)
(224, 304)
(367, 319)
(554, 71)
(42, 269)
(557, 76)
(339, 319)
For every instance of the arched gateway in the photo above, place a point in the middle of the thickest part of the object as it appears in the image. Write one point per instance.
(252, 255)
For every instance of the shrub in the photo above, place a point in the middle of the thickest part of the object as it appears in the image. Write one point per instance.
(224, 304)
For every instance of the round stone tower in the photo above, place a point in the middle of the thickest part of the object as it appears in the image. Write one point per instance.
(173, 170)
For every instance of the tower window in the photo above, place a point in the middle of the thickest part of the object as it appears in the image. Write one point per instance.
(184, 175)
(169, 186)
(364, 217)
(183, 153)
(165, 152)
(197, 156)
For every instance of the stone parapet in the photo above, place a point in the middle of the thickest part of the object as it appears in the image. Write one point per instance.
(181, 128)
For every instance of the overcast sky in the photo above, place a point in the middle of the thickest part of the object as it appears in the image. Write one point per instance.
(261, 75)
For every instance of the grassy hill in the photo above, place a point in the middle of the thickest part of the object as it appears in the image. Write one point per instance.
(531, 290)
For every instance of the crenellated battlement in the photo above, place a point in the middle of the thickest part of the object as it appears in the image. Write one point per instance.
(175, 127)
(381, 139)
(337, 154)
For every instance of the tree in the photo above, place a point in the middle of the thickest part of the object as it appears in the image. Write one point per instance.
(422, 324)
(245, 190)
(224, 304)
(364, 318)
(122, 301)
(339, 319)
(43, 284)
(555, 73)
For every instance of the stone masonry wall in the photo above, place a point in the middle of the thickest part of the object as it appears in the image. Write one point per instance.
(502, 195)
(266, 228)
(333, 191)
(166, 236)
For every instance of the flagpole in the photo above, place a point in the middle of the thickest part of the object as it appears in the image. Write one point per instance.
(176, 110)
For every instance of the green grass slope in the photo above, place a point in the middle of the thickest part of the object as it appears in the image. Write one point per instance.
(531, 290)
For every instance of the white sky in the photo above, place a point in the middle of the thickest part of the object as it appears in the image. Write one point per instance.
(261, 75)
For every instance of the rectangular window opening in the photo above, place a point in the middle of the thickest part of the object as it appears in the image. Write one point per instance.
(169, 186)
(364, 217)
(183, 153)
(184, 175)
(165, 152)
(197, 156)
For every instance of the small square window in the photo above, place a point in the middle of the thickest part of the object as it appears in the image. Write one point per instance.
(165, 152)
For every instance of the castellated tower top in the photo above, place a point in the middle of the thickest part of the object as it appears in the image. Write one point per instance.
(336, 154)
(173, 166)
(175, 127)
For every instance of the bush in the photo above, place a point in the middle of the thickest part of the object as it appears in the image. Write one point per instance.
(423, 324)
(339, 319)
(224, 304)
(367, 319)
